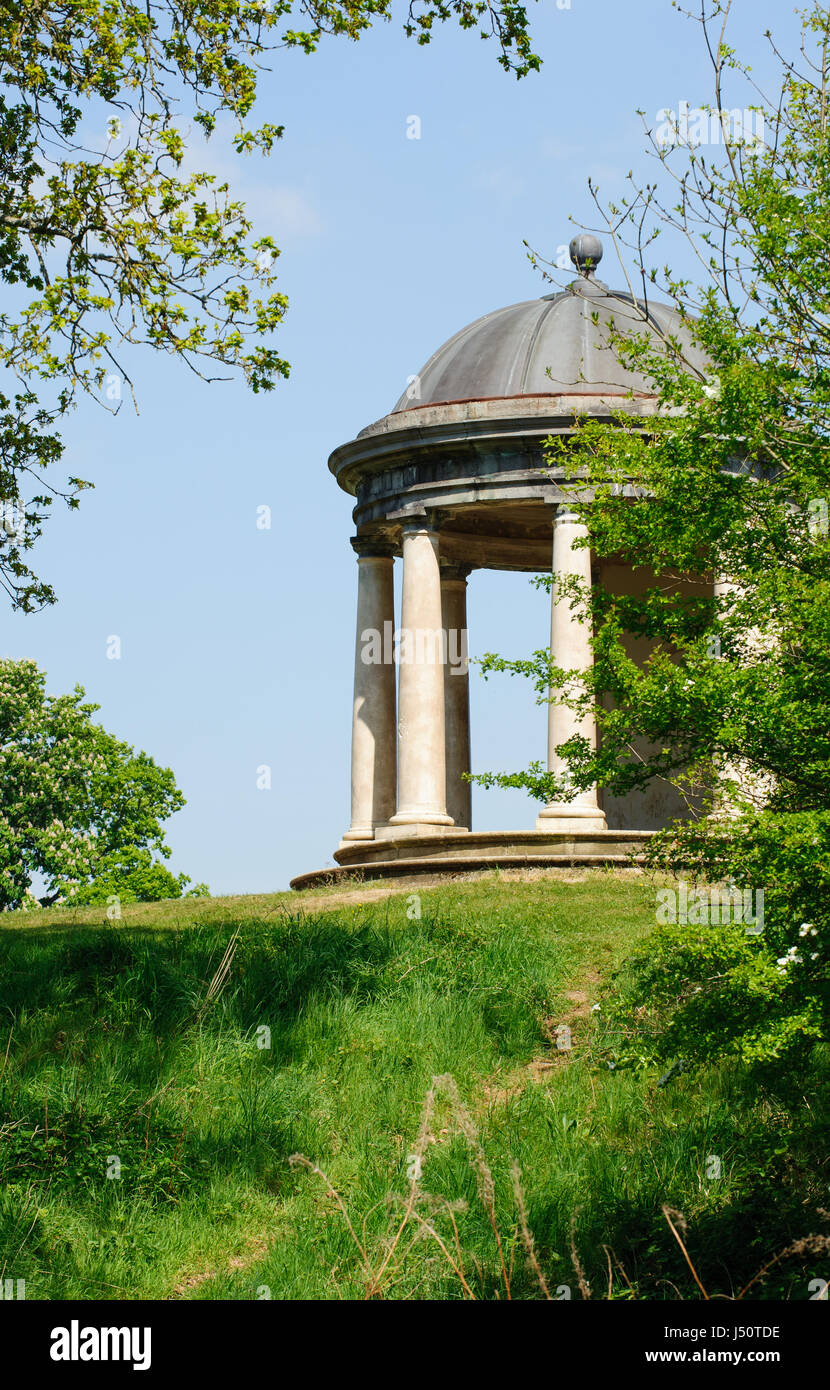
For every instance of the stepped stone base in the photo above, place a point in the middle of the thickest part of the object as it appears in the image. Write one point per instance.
(453, 853)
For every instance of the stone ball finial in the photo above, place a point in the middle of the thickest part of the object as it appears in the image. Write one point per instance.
(586, 252)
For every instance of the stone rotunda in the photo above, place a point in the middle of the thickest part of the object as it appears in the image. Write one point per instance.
(451, 481)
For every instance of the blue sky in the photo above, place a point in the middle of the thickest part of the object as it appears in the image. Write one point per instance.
(237, 643)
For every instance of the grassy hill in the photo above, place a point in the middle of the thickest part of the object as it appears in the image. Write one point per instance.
(463, 1150)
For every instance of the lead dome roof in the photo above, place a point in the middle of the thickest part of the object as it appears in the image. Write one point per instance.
(556, 345)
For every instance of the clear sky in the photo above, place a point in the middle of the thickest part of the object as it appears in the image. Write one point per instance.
(237, 643)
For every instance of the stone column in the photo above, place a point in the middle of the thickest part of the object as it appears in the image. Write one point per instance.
(456, 693)
(755, 787)
(373, 717)
(570, 649)
(422, 788)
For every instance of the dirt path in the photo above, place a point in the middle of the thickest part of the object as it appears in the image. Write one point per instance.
(308, 901)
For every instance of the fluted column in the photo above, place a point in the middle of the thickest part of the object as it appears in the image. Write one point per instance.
(373, 717)
(456, 693)
(570, 649)
(422, 793)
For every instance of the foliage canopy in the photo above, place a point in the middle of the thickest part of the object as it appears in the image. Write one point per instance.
(78, 806)
(107, 242)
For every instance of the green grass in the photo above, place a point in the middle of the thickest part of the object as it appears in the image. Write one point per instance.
(115, 1044)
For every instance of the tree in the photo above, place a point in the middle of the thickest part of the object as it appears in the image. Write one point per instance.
(76, 804)
(733, 703)
(132, 875)
(106, 243)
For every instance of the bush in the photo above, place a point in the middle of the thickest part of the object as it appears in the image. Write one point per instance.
(705, 986)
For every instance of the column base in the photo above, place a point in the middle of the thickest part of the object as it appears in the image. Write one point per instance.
(569, 818)
(359, 832)
(402, 829)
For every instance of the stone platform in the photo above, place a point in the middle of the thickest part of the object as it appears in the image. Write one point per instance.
(466, 853)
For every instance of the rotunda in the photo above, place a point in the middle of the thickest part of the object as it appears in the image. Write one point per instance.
(451, 481)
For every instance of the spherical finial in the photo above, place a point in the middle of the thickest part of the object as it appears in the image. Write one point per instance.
(586, 252)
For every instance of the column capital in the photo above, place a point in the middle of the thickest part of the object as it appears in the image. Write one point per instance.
(452, 573)
(373, 547)
(565, 512)
(423, 519)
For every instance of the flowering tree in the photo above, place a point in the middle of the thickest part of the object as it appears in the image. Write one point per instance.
(75, 802)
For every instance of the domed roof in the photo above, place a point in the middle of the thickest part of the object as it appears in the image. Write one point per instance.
(556, 345)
